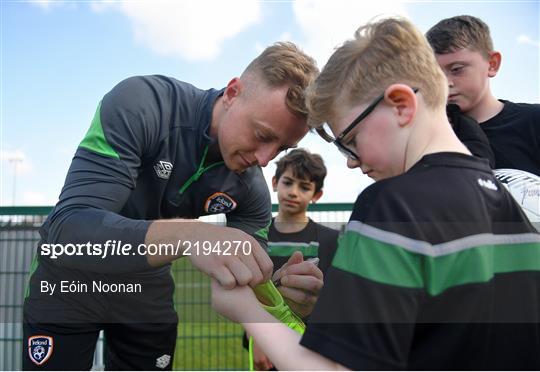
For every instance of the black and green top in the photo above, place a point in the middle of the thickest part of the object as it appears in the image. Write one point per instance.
(438, 269)
(314, 240)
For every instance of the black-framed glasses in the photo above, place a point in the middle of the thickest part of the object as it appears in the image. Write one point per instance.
(338, 140)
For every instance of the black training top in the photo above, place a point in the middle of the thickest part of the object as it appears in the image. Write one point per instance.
(514, 134)
(438, 269)
(314, 240)
(143, 159)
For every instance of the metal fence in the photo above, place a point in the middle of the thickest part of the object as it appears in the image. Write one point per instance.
(205, 340)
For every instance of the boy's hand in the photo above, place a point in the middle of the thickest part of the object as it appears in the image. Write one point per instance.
(301, 282)
(238, 304)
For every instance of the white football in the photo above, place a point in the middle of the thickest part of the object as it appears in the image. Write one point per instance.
(525, 188)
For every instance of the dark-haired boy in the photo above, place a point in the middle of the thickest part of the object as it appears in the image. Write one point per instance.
(298, 181)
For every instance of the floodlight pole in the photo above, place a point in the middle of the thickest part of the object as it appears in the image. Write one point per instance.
(15, 160)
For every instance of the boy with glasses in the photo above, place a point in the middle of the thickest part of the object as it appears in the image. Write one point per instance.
(438, 267)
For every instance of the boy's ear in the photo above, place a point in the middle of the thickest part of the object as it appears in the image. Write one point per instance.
(233, 90)
(404, 101)
(316, 196)
(494, 60)
(274, 183)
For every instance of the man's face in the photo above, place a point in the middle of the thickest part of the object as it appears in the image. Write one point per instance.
(294, 194)
(256, 127)
(468, 75)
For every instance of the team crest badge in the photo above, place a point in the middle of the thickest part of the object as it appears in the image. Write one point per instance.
(40, 349)
(219, 203)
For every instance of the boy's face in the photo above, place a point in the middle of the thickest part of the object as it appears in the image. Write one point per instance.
(468, 74)
(294, 194)
(375, 140)
(256, 127)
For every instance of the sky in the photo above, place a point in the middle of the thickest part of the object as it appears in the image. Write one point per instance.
(58, 59)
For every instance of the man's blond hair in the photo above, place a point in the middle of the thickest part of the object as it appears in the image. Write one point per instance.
(382, 53)
(284, 64)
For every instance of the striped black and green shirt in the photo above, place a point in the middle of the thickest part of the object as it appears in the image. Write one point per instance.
(438, 269)
(314, 240)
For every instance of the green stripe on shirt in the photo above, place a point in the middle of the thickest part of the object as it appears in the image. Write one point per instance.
(95, 140)
(392, 264)
(33, 268)
(286, 249)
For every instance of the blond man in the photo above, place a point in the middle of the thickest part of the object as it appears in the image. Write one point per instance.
(160, 153)
(438, 268)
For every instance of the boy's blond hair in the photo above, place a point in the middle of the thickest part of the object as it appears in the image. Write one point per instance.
(382, 53)
(460, 32)
(284, 64)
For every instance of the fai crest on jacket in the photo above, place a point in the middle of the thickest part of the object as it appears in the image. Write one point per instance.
(40, 349)
(219, 203)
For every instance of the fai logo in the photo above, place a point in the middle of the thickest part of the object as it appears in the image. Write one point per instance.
(219, 203)
(163, 361)
(40, 349)
(163, 169)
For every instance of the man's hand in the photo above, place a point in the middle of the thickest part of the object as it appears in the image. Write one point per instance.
(236, 268)
(240, 269)
(301, 282)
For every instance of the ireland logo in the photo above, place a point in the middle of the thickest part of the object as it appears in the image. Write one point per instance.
(40, 349)
(219, 203)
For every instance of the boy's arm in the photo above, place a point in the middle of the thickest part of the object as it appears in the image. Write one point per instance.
(470, 134)
(240, 305)
(287, 354)
(260, 359)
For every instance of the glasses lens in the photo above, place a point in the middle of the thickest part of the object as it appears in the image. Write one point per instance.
(348, 153)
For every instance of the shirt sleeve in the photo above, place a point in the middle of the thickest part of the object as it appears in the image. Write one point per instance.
(102, 175)
(254, 214)
(470, 134)
(365, 315)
